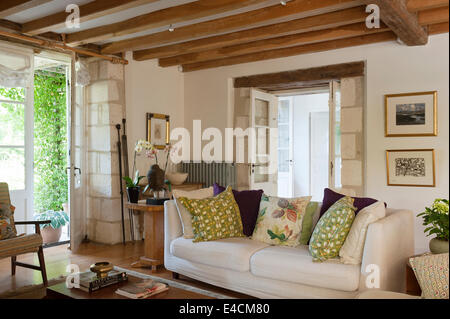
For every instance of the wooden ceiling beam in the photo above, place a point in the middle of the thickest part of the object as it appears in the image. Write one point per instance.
(10, 7)
(292, 51)
(418, 5)
(438, 28)
(231, 23)
(164, 17)
(89, 11)
(403, 23)
(433, 16)
(297, 77)
(314, 23)
(342, 32)
(308, 48)
(427, 17)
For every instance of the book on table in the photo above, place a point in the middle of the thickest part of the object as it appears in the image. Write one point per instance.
(142, 289)
(89, 281)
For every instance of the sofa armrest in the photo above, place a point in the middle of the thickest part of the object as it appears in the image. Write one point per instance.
(172, 225)
(389, 244)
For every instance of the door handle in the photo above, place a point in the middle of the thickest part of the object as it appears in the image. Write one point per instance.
(75, 169)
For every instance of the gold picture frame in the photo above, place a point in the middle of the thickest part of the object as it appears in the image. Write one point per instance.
(158, 130)
(416, 169)
(409, 124)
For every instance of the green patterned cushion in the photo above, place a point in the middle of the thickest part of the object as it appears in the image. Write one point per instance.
(7, 227)
(432, 274)
(280, 220)
(307, 224)
(214, 218)
(332, 230)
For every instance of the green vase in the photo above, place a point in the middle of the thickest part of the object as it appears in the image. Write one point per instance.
(438, 246)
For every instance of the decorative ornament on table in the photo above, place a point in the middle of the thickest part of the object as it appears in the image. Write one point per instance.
(436, 220)
(156, 175)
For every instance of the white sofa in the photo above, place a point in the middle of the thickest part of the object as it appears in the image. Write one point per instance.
(264, 271)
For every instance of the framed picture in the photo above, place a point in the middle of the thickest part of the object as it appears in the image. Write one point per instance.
(411, 168)
(411, 114)
(158, 129)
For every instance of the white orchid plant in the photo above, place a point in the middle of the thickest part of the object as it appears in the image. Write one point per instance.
(151, 152)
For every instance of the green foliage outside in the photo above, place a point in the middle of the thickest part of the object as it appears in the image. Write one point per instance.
(50, 138)
(50, 141)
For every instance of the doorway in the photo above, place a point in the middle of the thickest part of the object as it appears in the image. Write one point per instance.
(34, 141)
(305, 119)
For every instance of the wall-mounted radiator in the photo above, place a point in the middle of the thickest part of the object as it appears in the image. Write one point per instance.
(223, 174)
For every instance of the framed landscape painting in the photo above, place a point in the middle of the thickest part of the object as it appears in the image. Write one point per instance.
(411, 168)
(411, 114)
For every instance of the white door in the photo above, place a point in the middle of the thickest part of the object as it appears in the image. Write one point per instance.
(335, 136)
(264, 146)
(16, 131)
(285, 147)
(77, 179)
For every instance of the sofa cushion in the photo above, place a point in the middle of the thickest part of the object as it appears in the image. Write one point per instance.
(229, 253)
(294, 264)
(280, 220)
(185, 216)
(248, 202)
(214, 218)
(330, 197)
(332, 230)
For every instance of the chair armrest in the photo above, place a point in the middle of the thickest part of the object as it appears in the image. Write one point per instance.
(41, 222)
(36, 224)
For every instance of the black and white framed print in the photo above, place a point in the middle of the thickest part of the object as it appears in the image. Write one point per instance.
(411, 168)
(411, 114)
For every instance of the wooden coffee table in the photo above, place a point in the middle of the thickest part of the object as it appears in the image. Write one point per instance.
(60, 291)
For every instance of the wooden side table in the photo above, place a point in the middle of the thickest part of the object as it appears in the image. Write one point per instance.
(154, 235)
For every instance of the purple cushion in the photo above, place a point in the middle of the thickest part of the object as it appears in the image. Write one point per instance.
(330, 197)
(248, 202)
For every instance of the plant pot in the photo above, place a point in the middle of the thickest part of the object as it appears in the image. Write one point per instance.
(438, 246)
(133, 194)
(51, 235)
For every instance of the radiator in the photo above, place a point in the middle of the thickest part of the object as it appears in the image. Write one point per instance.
(223, 174)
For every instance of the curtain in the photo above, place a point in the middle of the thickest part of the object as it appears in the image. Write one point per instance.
(83, 78)
(15, 66)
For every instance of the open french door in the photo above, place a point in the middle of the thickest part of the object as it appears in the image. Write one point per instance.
(264, 149)
(335, 136)
(16, 136)
(76, 168)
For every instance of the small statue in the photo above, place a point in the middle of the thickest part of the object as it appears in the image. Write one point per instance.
(155, 177)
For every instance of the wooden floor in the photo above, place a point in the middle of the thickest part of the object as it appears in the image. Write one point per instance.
(59, 257)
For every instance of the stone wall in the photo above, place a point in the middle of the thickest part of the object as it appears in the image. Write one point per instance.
(105, 109)
(352, 138)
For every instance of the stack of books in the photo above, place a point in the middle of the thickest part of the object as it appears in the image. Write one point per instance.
(141, 290)
(89, 281)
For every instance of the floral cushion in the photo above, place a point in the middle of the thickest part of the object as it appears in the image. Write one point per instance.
(280, 220)
(432, 274)
(7, 227)
(332, 230)
(214, 218)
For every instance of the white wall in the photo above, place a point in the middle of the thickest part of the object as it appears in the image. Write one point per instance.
(151, 89)
(391, 68)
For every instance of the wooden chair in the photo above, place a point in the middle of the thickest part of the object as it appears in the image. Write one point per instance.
(22, 244)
